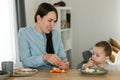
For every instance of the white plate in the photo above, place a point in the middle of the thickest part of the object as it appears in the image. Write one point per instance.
(24, 72)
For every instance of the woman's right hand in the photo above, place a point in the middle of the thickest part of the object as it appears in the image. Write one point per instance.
(52, 58)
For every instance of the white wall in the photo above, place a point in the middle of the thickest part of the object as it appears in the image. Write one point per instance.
(92, 21)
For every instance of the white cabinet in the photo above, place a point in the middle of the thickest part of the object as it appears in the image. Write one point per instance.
(63, 25)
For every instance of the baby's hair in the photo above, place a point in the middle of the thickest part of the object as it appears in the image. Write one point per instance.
(107, 47)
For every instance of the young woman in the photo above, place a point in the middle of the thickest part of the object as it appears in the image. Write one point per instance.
(40, 46)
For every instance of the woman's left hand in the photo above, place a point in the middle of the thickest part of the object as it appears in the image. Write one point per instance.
(64, 65)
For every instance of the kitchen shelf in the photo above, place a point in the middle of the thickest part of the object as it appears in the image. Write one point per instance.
(63, 25)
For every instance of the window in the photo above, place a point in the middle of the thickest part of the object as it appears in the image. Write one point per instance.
(8, 31)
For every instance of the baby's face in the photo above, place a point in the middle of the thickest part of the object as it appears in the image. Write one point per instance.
(99, 55)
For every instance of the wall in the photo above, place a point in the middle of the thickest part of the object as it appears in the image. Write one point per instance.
(31, 6)
(92, 21)
(8, 31)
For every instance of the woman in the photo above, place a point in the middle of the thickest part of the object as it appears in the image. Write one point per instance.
(41, 46)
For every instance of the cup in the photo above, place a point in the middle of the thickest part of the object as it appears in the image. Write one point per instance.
(7, 66)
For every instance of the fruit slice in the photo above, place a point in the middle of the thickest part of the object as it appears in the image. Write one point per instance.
(57, 70)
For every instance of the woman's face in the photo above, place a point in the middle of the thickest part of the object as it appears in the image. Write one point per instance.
(47, 22)
(99, 55)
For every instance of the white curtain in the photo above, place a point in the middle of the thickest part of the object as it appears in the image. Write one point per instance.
(8, 31)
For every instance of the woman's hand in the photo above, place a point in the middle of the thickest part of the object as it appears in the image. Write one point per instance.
(64, 65)
(52, 58)
(90, 63)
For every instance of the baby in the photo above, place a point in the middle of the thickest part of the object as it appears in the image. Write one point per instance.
(101, 53)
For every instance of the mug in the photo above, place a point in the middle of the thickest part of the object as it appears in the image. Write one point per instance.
(7, 66)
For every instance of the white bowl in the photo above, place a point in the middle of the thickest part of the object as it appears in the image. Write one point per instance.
(4, 75)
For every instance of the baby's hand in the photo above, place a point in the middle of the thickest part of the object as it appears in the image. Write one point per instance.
(90, 63)
(91, 60)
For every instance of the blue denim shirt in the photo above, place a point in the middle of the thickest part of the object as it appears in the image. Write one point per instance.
(32, 47)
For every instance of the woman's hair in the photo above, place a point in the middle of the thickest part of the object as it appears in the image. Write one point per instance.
(44, 9)
(106, 46)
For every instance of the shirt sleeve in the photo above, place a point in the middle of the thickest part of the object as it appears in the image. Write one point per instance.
(25, 56)
(58, 46)
(61, 52)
